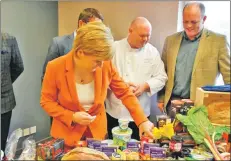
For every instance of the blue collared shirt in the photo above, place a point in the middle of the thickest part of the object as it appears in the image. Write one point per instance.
(184, 65)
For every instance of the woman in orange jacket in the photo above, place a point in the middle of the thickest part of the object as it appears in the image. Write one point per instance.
(75, 87)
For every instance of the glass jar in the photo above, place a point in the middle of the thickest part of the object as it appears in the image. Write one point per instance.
(162, 120)
(175, 146)
(176, 143)
(187, 102)
(177, 105)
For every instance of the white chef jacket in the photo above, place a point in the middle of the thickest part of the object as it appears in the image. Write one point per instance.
(137, 66)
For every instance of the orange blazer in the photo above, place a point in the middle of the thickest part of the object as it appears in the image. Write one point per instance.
(60, 100)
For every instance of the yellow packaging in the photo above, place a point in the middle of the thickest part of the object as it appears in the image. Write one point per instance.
(116, 156)
(133, 156)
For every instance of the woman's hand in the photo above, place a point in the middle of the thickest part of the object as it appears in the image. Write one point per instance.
(146, 128)
(82, 118)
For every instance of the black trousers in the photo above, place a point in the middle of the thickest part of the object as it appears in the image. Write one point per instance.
(5, 126)
(112, 122)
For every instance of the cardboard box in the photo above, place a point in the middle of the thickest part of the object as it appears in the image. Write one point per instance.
(207, 97)
(218, 104)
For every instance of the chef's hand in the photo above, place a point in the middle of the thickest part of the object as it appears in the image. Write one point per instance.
(140, 89)
(82, 118)
(132, 86)
(146, 129)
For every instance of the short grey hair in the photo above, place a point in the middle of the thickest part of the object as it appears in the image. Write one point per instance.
(199, 4)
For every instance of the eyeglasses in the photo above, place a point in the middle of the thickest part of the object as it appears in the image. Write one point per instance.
(191, 22)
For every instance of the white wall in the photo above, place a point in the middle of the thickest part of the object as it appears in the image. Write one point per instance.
(119, 14)
(34, 24)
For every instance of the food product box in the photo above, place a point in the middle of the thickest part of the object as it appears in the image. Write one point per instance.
(217, 103)
(50, 149)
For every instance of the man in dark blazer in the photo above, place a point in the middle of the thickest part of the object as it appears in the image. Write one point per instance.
(11, 68)
(61, 45)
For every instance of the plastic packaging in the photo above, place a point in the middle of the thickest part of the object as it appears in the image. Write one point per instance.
(29, 149)
(2, 154)
(11, 144)
(166, 131)
(123, 124)
(50, 149)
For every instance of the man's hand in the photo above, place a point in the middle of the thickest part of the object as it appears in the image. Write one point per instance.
(140, 89)
(146, 129)
(132, 86)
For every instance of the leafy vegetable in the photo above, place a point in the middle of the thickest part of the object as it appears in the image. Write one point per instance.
(220, 130)
(200, 128)
(197, 121)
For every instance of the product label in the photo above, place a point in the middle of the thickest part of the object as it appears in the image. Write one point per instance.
(147, 146)
(157, 152)
(90, 142)
(109, 150)
(98, 145)
(175, 146)
(133, 145)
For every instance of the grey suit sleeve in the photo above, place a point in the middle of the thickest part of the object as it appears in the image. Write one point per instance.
(16, 63)
(53, 52)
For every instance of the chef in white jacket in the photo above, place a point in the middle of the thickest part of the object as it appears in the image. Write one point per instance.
(140, 65)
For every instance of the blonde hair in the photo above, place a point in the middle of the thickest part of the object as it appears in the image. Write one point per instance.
(95, 39)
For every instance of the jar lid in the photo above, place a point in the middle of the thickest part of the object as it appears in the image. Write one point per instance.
(187, 100)
(177, 102)
(177, 138)
(163, 116)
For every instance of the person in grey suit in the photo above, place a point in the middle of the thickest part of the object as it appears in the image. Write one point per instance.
(61, 45)
(11, 68)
